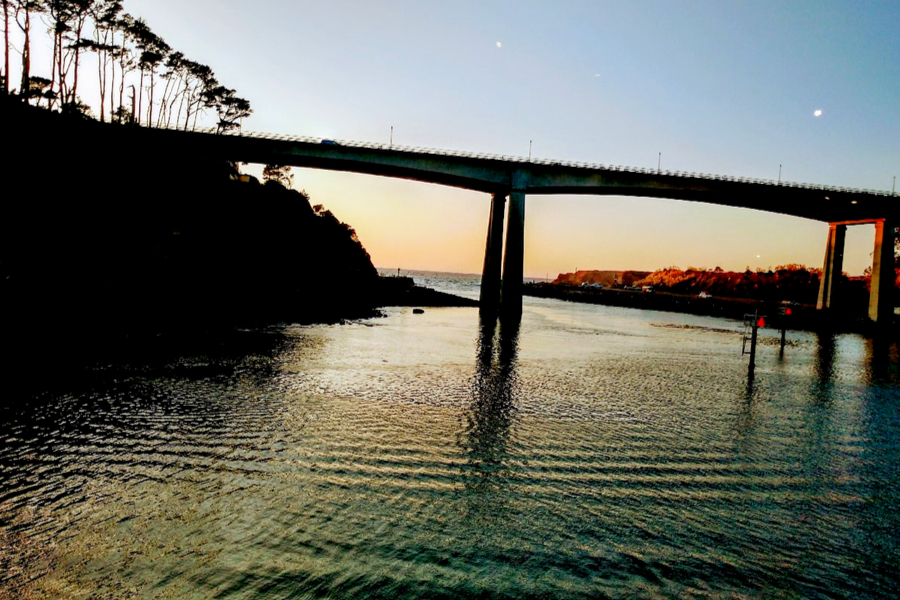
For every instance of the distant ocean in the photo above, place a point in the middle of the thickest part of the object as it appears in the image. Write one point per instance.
(467, 285)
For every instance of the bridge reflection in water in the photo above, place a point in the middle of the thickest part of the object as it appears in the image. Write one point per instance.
(492, 412)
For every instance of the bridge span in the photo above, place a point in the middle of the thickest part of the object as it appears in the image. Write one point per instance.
(510, 179)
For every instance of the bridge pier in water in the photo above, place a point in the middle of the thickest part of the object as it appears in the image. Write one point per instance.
(881, 296)
(514, 257)
(493, 256)
(834, 264)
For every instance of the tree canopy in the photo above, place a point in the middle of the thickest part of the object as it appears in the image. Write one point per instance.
(278, 173)
(168, 89)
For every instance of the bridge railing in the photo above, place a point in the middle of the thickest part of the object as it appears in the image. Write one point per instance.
(280, 137)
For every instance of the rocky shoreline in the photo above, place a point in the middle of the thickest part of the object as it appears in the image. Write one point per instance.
(402, 291)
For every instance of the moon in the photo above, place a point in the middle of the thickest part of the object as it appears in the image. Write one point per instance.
(499, 45)
(817, 112)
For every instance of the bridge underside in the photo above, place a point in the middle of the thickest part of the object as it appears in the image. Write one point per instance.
(501, 175)
(514, 178)
(504, 294)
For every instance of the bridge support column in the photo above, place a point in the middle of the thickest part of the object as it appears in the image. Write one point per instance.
(834, 264)
(493, 256)
(881, 297)
(514, 258)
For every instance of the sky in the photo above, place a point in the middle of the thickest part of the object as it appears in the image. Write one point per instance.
(712, 86)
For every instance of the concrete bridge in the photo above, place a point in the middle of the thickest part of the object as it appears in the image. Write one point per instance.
(510, 179)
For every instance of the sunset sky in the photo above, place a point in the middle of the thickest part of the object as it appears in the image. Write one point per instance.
(726, 87)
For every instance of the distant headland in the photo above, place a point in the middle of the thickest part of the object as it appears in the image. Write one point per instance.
(715, 292)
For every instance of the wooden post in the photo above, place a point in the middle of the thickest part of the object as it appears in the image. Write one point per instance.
(785, 313)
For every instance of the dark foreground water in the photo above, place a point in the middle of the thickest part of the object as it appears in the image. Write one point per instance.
(591, 452)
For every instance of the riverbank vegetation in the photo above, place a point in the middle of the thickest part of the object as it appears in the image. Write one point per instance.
(107, 237)
(792, 282)
(717, 292)
(110, 230)
(109, 233)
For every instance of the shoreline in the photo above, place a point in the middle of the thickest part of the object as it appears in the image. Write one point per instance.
(403, 291)
(98, 352)
(803, 317)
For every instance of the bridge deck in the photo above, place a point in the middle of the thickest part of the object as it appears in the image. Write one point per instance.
(502, 174)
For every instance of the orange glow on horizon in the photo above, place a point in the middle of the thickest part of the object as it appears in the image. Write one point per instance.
(418, 226)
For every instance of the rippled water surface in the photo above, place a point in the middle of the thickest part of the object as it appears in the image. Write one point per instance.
(589, 452)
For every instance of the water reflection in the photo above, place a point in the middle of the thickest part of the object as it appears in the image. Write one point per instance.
(881, 360)
(824, 370)
(491, 414)
(751, 389)
(879, 462)
(383, 461)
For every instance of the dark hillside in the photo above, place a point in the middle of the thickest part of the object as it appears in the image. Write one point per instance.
(103, 231)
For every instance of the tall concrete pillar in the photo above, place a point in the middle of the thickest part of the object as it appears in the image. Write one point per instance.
(493, 256)
(834, 264)
(514, 258)
(881, 297)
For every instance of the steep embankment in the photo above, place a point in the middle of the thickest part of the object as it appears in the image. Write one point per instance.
(104, 231)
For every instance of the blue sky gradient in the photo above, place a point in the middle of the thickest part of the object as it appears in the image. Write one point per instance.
(716, 87)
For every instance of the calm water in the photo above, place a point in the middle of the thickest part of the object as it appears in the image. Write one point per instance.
(590, 452)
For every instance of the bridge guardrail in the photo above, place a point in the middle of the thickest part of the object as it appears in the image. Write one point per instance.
(536, 161)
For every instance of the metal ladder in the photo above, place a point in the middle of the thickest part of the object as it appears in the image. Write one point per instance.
(747, 332)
